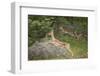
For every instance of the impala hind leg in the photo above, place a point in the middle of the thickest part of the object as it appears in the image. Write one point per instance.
(69, 49)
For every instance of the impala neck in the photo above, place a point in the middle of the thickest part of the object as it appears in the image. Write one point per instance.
(52, 35)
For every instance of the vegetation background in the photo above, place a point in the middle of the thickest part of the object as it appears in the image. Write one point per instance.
(73, 30)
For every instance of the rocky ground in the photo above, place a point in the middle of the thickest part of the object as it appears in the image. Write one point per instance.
(46, 50)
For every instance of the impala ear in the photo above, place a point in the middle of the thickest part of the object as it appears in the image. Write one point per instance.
(49, 33)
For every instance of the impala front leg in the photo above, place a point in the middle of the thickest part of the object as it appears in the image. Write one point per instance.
(68, 47)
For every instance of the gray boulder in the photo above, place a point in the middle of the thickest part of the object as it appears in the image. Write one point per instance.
(46, 50)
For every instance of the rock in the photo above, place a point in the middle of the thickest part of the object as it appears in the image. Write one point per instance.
(46, 50)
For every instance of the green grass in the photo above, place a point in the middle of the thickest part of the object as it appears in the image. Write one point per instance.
(79, 47)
